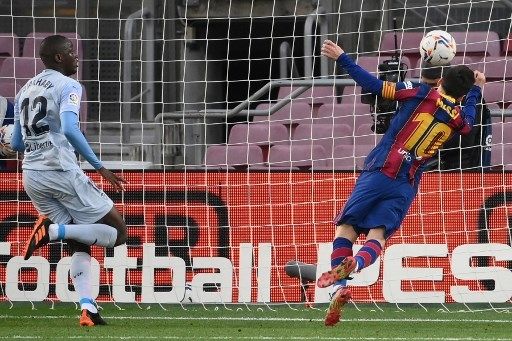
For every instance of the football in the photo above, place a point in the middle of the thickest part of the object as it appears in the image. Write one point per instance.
(438, 48)
(6, 133)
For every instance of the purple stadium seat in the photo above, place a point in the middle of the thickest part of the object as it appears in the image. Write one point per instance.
(477, 43)
(9, 88)
(292, 113)
(261, 134)
(497, 132)
(360, 153)
(457, 60)
(496, 68)
(233, 156)
(501, 155)
(9, 45)
(21, 68)
(365, 136)
(343, 158)
(351, 94)
(326, 135)
(507, 156)
(408, 45)
(498, 92)
(344, 113)
(297, 156)
(315, 95)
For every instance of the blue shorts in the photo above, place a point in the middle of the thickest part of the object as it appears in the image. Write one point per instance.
(377, 200)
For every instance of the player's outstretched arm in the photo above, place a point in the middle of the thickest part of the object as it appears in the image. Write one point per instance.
(472, 97)
(71, 130)
(358, 74)
(17, 137)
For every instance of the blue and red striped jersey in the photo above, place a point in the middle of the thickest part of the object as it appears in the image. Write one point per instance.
(423, 122)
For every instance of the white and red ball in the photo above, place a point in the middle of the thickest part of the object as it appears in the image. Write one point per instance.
(438, 48)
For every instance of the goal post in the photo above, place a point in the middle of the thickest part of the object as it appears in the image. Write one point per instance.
(241, 143)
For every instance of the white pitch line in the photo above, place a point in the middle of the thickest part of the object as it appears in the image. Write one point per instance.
(258, 319)
(79, 337)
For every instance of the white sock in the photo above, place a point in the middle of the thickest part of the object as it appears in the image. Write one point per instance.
(88, 234)
(80, 272)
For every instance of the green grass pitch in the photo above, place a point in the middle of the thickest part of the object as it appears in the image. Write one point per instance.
(257, 322)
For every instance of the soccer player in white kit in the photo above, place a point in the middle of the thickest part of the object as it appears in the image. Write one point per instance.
(72, 208)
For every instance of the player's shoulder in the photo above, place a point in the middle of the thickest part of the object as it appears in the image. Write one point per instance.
(67, 84)
(407, 85)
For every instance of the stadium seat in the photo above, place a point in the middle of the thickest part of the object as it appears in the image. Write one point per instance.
(501, 155)
(292, 113)
(233, 156)
(477, 43)
(360, 153)
(408, 45)
(496, 68)
(471, 43)
(297, 156)
(351, 94)
(261, 134)
(9, 88)
(343, 158)
(316, 95)
(344, 113)
(365, 136)
(9, 46)
(457, 60)
(21, 68)
(326, 135)
(498, 92)
(497, 132)
(507, 46)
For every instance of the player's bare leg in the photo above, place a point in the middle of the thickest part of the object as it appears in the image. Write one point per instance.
(114, 219)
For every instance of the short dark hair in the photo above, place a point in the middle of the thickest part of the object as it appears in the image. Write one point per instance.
(50, 46)
(433, 72)
(458, 80)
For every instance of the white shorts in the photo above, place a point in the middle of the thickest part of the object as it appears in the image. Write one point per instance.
(66, 196)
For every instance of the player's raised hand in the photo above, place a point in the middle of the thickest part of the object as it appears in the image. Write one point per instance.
(116, 180)
(479, 78)
(331, 50)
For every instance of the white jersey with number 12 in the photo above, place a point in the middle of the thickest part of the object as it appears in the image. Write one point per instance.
(38, 107)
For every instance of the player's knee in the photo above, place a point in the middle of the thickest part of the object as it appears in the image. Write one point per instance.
(122, 235)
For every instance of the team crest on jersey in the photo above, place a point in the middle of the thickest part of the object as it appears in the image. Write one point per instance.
(74, 99)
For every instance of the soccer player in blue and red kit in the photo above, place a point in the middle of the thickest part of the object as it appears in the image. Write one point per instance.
(427, 117)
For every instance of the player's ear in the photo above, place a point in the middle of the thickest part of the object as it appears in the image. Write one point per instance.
(58, 58)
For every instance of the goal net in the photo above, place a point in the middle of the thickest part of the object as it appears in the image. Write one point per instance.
(241, 144)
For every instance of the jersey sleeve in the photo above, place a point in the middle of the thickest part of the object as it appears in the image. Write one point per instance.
(400, 91)
(389, 90)
(70, 96)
